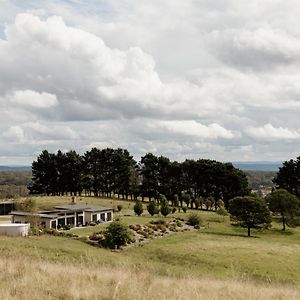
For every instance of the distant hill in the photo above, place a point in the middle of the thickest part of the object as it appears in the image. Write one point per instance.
(15, 168)
(258, 166)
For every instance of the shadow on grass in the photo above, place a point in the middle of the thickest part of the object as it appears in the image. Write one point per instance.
(279, 231)
(228, 234)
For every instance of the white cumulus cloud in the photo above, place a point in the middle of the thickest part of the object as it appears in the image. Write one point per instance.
(34, 99)
(268, 131)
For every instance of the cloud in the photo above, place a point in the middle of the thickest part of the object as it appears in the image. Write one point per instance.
(14, 134)
(193, 128)
(260, 48)
(212, 79)
(34, 99)
(269, 132)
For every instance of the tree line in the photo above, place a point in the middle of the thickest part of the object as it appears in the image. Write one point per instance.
(107, 172)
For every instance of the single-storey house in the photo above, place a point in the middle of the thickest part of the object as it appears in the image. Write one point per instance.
(70, 214)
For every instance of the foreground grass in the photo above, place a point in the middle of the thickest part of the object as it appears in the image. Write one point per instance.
(27, 279)
(217, 262)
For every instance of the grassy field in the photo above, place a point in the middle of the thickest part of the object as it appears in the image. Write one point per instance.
(216, 262)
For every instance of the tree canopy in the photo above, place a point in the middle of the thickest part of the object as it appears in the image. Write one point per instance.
(105, 172)
(250, 212)
(282, 202)
(288, 176)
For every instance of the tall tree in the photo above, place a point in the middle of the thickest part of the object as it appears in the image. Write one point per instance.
(250, 212)
(282, 202)
(44, 174)
(92, 170)
(150, 175)
(288, 177)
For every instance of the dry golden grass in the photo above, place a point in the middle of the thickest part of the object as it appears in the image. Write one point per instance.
(31, 279)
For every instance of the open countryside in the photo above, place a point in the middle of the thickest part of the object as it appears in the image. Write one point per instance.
(149, 150)
(215, 260)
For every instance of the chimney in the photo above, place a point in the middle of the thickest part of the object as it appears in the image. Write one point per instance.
(73, 200)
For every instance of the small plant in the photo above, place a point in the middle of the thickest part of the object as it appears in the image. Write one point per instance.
(176, 200)
(222, 212)
(119, 207)
(67, 227)
(138, 207)
(197, 203)
(28, 205)
(152, 208)
(194, 220)
(187, 199)
(159, 222)
(135, 227)
(164, 208)
(178, 224)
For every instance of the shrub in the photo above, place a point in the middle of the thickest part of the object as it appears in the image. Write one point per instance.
(164, 208)
(138, 207)
(176, 200)
(97, 236)
(186, 198)
(197, 203)
(194, 220)
(117, 234)
(174, 209)
(178, 224)
(135, 227)
(28, 205)
(184, 209)
(152, 208)
(67, 227)
(158, 222)
(208, 204)
(119, 207)
(222, 212)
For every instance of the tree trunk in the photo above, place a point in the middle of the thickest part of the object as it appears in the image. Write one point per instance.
(248, 231)
(283, 222)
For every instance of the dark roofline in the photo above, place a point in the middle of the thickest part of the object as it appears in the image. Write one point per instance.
(33, 214)
(82, 207)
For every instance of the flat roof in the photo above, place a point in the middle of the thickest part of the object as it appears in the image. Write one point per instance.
(85, 207)
(33, 214)
(14, 225)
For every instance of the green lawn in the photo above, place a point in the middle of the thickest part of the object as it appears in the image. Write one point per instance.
(219, 250)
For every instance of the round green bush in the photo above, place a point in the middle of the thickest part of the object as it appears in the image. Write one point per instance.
(117, 234)
(194, 220)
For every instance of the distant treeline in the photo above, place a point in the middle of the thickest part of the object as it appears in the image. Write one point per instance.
(15, 178)
(104, 172)
(260, 179)
(14, 183)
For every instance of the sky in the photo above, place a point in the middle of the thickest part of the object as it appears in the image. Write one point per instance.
(217, 79)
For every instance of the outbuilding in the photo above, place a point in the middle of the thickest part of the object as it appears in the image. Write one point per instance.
(11, 229)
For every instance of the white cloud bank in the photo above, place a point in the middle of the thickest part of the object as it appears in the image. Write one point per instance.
(217, 80)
